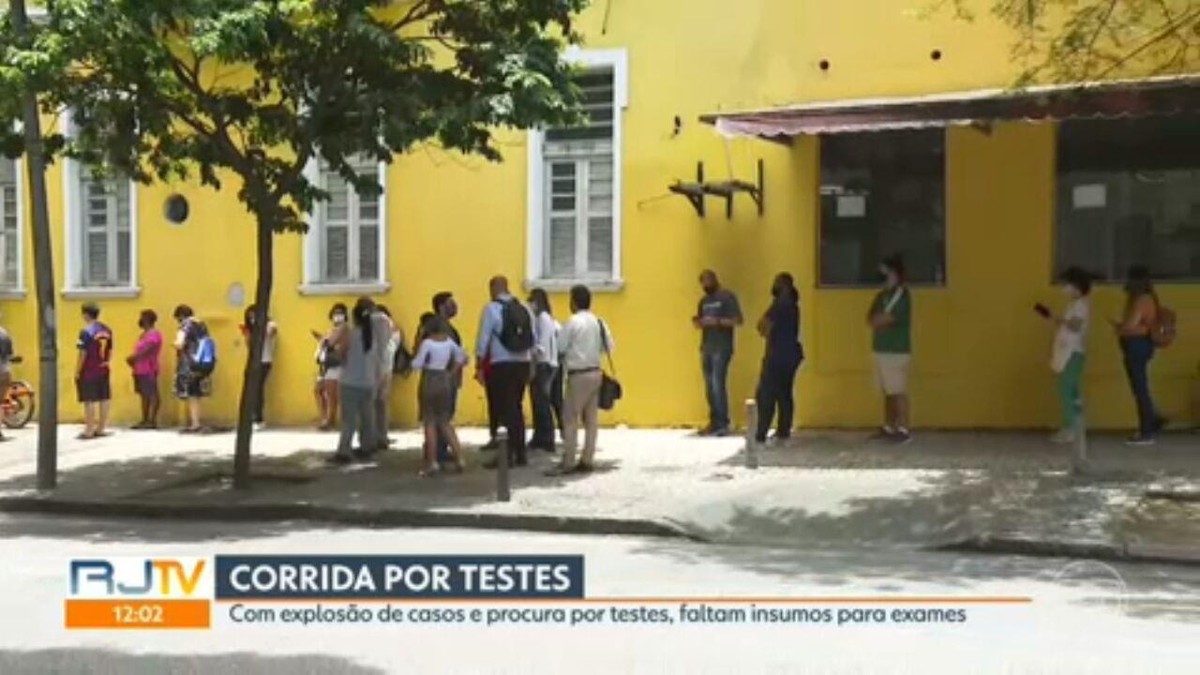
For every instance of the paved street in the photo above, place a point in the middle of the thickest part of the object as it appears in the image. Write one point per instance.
(1085, 617)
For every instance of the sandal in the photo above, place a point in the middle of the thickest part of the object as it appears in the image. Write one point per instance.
(85, 436)
(191, 430)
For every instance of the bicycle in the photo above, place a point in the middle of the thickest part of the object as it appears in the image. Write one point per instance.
(19, 403)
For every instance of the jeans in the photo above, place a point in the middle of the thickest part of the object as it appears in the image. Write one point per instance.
(443, 443)
(358, 414)
(1070, 391)
(716, 371)
(1139, 351)
(775, 386)
(540, 395)
(510, 379)
(260, 393)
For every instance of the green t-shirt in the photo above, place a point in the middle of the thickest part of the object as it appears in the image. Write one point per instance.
(896, 338)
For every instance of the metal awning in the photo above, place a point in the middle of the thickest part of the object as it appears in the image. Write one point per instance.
(1115, 99)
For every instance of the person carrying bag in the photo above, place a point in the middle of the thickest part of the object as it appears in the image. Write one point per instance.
(583, 343)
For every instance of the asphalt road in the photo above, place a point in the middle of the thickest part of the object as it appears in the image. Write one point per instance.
(1084, 617)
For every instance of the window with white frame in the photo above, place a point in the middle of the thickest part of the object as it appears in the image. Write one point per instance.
(348, 229)
(578, 223)
(105, 233)
(10, 225)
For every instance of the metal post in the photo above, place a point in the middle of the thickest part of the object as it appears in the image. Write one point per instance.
(751, 430)
(1080, 463)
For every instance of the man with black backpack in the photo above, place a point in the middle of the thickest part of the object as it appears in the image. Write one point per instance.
(506, 342)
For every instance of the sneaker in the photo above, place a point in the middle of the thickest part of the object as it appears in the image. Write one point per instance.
(883, 434)
(706, 431)
(721, 432)
(780, 438)
(1140, 440)
(260, 426)
(490, 445)
(901, 438)
(1063, 437)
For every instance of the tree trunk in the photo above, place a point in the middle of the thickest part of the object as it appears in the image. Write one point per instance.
(250, 390)
(43, 262)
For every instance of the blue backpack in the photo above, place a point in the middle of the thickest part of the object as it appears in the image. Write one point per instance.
(205, 355)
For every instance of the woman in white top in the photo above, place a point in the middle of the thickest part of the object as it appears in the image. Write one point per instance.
(545, 363)
(440, 360)
(1070, 348)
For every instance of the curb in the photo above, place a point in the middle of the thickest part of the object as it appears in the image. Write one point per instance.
(1126, 553)
(1186, 496)
(344, 516)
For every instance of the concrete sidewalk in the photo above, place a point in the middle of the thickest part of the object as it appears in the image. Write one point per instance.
(972, 491)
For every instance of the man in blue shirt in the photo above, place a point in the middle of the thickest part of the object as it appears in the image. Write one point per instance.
(505, 341)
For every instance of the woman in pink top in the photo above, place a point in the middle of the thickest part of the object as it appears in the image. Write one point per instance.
(144, 362)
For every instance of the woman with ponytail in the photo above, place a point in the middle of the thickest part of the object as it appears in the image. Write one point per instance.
(357, 348)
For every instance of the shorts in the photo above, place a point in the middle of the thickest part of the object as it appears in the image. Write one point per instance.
(332, 374)
(892, 371)
(192, 382)
(94, 388)
(146, 385)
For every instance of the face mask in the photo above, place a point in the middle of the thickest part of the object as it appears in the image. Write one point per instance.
(339, 318)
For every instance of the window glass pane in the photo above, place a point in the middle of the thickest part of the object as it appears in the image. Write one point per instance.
(8, 171)
(124, 248)
(336, 247)
(368, 253)
(561, 249)
(600, 245)
(1129, 194)
(597, 91)
(882, 193)
(95, 272)
(11, 251)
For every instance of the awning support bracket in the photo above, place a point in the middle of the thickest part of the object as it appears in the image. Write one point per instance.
(693, 191)
(727, 189)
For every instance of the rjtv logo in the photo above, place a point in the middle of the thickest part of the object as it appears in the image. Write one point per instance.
(139, 593)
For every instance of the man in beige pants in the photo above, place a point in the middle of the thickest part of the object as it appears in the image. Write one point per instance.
(582, 343)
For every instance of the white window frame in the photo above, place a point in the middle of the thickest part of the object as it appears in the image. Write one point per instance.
(74, 235)
(17, 290)
(313, 283)
(535, 262)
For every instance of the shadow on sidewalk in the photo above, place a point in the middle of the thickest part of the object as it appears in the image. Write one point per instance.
(109, 662)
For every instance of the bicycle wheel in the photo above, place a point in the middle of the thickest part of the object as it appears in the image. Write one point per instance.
(23, 405)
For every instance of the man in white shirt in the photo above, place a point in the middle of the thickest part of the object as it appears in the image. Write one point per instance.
(582, 345)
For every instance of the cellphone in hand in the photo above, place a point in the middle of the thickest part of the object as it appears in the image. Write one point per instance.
(1042, 310)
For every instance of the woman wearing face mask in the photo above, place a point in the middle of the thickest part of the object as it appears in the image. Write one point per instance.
(329, 369)
(1134, 331)
(1070, 348)
(780, 327)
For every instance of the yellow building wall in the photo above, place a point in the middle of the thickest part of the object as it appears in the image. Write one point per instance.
(981, 355)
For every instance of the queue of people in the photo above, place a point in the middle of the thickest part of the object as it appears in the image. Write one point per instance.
(522, 350)
(1144, 327)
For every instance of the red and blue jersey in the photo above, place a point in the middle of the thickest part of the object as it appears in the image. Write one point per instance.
(95, 341)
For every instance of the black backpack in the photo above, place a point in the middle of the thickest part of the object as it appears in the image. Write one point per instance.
(516, 326)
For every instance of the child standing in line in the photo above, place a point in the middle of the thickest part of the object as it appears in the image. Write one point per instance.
(1070, 348)
(440, 360)
(144, 362)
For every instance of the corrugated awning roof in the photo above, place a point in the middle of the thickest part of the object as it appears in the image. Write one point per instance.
(1125, 98)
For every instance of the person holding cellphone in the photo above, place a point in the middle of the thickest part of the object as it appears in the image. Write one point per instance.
(1070, 348)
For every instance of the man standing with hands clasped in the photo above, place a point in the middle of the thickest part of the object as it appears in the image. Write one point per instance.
(717, 315)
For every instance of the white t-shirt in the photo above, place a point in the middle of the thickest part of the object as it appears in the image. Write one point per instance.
(437, 355)
(268, 352)
(1067, 341)
(545, 336)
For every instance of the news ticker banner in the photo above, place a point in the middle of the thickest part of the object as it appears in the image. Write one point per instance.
(195, 593)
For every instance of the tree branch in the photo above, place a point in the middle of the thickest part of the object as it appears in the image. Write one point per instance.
(1158, 36)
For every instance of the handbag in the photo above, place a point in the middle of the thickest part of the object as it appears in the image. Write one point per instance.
(610, 388)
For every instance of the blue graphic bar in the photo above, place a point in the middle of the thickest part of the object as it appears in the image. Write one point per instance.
(306, 577)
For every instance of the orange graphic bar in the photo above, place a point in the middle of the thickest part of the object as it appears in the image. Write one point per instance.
(138, 614)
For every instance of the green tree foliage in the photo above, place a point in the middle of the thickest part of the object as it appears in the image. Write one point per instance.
(256, 89)
(1087, 40)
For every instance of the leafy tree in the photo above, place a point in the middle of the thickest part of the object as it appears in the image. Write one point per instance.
(1087, 40)
(245, 93)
